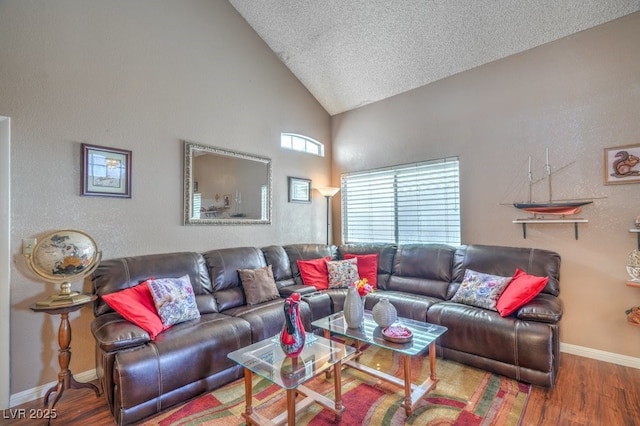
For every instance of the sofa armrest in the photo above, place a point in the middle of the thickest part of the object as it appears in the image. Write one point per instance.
(543, 308)
(112, 333)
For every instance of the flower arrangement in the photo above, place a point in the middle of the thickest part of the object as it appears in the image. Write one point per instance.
(363, 287)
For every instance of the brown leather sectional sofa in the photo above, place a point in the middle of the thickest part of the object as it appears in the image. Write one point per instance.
(141, 377)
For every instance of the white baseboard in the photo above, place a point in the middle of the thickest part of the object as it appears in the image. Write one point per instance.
(87, 376)
(39, 392)
(627, 361)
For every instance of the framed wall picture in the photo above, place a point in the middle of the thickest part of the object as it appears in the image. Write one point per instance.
(622, 164)
(299, 190)
(106, 172)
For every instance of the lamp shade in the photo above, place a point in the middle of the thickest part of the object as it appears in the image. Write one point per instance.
(328, 191)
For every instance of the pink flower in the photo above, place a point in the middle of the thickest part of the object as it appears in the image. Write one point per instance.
(363, 287)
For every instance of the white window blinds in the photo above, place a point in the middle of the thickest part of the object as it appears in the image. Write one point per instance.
(413, 203)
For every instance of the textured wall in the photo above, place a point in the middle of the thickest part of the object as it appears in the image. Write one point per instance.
(575, 96)
(140, 76)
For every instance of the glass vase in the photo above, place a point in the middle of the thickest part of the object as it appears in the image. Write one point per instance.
(292, 336)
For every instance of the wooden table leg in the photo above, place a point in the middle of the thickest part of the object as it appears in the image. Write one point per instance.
(412, 394)
(291, 407)
(248, 395)
(65, 378)
(432, 361)
(327, 335)
(408, 406)
(337, 385)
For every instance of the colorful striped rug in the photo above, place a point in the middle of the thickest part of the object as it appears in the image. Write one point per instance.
(464, 396)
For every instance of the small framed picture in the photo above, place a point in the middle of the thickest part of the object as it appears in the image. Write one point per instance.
(106, 172)
(299, 190)
(622, 164)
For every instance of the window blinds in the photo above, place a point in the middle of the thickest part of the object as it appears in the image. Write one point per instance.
(413, 203)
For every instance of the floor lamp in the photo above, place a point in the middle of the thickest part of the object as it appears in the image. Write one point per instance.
(327, 193)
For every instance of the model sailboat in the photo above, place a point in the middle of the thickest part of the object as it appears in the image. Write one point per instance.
(550, 207)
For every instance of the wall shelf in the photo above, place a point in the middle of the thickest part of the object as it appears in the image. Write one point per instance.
(575, 222)
(633, 283)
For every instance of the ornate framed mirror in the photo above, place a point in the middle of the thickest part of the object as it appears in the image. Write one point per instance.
(223, 187)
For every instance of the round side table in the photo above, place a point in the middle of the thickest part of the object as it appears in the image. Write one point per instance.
(65, 378)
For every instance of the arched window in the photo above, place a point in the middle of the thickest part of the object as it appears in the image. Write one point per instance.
(301, 143)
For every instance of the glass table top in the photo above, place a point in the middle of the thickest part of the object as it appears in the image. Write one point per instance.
(423, 333)
(267, 360)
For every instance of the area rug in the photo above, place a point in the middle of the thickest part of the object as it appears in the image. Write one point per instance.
(464, 396)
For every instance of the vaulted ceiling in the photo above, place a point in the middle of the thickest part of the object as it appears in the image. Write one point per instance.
(349, 53)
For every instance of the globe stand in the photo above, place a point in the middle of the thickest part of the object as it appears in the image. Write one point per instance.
(61, 257)
(65, 378)
(66, 297)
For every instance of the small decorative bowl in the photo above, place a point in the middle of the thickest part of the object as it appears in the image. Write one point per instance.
(397, 334)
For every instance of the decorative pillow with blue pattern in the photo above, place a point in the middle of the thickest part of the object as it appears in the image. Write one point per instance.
(481, 290)
(174, 299)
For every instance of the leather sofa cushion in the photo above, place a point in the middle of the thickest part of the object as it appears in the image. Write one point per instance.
(422, 269)
(117, 274)
(279, 261)
(223, 266)
(320, 304)
(486, 334)
(187, 353)
(412, 306)
(267, 319)
(504, 261)
(206, 304)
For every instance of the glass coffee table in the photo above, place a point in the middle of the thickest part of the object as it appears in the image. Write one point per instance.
(267, 360)
(424, 337)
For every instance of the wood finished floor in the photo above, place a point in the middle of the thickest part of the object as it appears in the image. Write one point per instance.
(588, 392)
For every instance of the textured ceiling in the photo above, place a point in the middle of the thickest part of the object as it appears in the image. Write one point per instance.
(349, 53)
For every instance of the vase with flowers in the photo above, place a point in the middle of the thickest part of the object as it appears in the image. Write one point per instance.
(354, 302)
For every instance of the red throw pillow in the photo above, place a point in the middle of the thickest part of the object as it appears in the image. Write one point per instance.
(522, 289)
(367, 266)
(136, 305)
(314, 272)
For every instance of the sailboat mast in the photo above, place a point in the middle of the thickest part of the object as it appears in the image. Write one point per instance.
(548, 167)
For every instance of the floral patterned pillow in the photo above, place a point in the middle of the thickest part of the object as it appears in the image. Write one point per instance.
(481, 290)
(174, 299)
(342, 272)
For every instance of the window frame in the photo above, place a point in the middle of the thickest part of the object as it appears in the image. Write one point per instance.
(306, 144)
(416, 202)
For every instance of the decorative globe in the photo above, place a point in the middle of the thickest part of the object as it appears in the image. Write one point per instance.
(64, 256)
(633, 265)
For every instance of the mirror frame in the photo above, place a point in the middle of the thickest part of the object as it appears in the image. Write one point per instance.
(189, 148)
